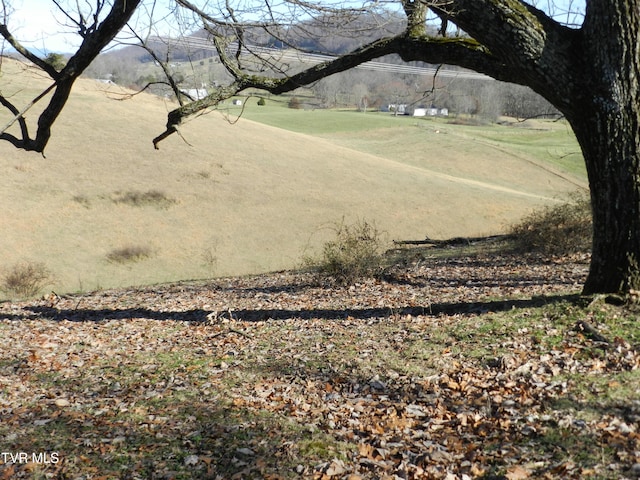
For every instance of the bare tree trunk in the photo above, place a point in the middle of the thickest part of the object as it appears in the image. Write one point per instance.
(607, 125)
(614, 179)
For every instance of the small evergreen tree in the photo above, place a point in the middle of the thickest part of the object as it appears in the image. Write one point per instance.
(56, 60)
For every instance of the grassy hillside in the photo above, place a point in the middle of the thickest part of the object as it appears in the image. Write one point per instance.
(548, 144)
(245, 197)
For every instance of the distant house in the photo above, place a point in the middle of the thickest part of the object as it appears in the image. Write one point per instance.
(195, 93)
(397, 109)
(421, 111)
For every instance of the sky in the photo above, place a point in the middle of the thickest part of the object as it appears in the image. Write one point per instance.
(36, 23)
(40, 25)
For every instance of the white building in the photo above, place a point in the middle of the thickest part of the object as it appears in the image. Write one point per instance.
(195, 93)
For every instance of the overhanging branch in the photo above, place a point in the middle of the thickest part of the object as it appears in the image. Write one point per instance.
(178, 115)
(533, 48)
(460, 51)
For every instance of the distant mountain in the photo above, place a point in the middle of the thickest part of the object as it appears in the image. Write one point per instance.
(323, 35)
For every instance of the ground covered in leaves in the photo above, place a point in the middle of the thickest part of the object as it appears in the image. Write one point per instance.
(451, 368)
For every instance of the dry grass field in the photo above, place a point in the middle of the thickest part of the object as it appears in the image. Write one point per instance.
(104, 209)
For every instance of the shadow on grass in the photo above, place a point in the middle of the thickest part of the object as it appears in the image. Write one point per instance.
(32, 312)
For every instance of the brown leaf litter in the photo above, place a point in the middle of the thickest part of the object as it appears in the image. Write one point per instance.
(453, 368)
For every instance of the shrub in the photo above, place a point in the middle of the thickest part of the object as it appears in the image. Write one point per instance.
(82, 200)
(294, 102)
(557, 230)
(56, 60)
(26, 279)
(154, 198)
(131, 253)
(210, 259)
(262, 102)
(357, 252)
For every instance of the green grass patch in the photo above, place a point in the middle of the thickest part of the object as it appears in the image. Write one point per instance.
(324, 122)
(547, 141)
(564, 445)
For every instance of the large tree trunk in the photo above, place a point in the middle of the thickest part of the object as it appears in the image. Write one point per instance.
(605, 117)
(610, 147)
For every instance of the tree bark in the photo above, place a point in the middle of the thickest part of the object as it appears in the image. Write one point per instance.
(612, 167)
(605, 116)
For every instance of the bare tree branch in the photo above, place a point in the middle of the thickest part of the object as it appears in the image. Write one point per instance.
(96, 36)
(19, 117)
(26, 53)
(515, 54)
(467, 52)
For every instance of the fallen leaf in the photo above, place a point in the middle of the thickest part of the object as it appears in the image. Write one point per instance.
(517, 473)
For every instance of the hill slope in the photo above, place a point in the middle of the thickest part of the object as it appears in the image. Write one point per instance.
(241, 198)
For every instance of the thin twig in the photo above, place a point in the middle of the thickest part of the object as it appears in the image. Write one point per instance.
(590, 331)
